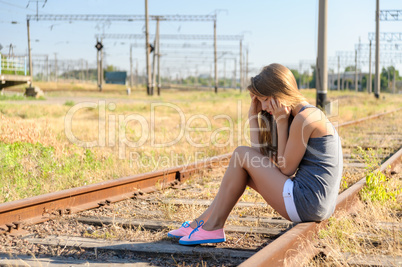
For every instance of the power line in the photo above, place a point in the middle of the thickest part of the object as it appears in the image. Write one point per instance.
(14, 5)
(111, 17)
(192, 46)
(172, 36)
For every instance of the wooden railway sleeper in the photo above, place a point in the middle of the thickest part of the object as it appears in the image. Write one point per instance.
(15, 229)
(141, 194)
(104, 203)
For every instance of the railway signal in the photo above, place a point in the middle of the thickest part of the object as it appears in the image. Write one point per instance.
(99, 61)
(99, 46)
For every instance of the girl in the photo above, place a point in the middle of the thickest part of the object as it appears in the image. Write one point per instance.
(303, 183)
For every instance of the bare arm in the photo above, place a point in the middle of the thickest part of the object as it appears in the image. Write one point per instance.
(282, 126)
(255, 108)
(291, 145)
(254, 132)
(296, 146)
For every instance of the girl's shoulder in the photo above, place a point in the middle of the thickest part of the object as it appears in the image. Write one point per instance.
(314, 121)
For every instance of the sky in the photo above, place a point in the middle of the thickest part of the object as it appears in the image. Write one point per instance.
(274, 31)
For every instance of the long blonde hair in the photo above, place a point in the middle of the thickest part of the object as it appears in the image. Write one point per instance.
(275, 81)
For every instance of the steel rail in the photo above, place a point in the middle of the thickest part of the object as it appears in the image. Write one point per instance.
(41, 208)
(375, 116)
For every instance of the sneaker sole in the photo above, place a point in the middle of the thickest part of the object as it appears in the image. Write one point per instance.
(174, 236)
(197, 242)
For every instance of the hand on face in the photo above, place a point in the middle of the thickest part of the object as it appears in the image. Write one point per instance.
(280, 112)
(255, 106)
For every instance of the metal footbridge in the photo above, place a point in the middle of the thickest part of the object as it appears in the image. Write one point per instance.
(13, 71)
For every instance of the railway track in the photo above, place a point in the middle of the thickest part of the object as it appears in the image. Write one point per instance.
(125, 221)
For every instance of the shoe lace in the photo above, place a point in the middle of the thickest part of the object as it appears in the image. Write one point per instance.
(199, 224)
(186, 224)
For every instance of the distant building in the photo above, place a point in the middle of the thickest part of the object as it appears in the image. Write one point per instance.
(347, 80)
(116, 77)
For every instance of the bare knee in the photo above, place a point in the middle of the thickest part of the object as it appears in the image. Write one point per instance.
(242, 149)
(247, 157)
(241, 156)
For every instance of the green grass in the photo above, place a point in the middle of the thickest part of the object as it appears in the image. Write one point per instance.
(12, 97)
(12, 72)
(69, 103)
(377, 188)
(33, 169)
(19, 97)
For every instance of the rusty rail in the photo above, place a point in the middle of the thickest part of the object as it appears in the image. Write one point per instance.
(40, 208)
(375, 116)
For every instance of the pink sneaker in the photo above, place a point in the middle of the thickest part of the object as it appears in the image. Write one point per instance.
(184, 230)
(201, 236)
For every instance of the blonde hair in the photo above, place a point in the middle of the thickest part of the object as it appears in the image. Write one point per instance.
(275, 81)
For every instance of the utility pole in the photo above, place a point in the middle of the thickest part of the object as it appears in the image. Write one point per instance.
(98, 47)
(241, 66)
(370, 81)
(322, 74)
(147, 49)
(215, 59)
(136, 73)
(159, 63)
(246, 78)
(388, 81)
(300, 71)
(29, 53)
(82, 71)
(224, 73)
(101, 67)
(156, 51)
(234, 74)
(87, 78)
(377, 83)
(359, 75)
(131, 66)
(356, 82)
(47, 68)
(343, 82)
(339, 73)
(394, 81)
(55, 67)
(159, 71)
(210, 77)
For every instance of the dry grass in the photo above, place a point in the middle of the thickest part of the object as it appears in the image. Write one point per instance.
(66, 85)
(45, 124)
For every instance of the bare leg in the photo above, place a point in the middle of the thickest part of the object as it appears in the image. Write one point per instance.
(246, 167)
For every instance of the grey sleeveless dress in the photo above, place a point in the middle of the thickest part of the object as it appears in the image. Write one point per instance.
(317, 180)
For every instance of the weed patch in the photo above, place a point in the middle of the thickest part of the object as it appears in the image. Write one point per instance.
(32, 169)
(11, 97)
(69, 103)
(377, 188)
